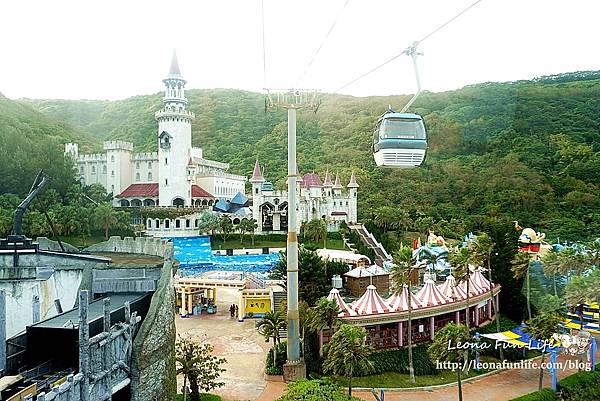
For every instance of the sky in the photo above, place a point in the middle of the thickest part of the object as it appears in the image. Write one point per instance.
(116, 49)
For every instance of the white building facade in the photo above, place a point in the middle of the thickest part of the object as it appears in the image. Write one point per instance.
(176, 174)
(325, 200)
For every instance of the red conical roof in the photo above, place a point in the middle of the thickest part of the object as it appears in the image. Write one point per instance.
(257, 175)
(327, 182)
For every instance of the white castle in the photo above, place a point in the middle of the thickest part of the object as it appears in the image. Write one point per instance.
(325, 200)
(176, 175)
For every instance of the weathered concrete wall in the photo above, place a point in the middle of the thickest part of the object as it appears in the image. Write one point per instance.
(47, 244)
(47, 275)
(63, 284)
(142, 245)
(153, 366)
(122, 279)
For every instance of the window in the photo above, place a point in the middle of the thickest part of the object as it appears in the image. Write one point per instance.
(81, 170)
(256, 191)
(149, 176)
(167, 223)
(104, 169)
(149, 224)
(166, 162)
(137, 176)
(112, 158)
(157, 223)
(166, 182)
(112, 188)
(112, 173)
(93, 169)
(177, 223)
(137, 165)
(149, 165)
(196, 223)
(187, 223)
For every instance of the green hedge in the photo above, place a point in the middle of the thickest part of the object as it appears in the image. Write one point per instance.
(397, 361)
(583, 386)
(545, 395)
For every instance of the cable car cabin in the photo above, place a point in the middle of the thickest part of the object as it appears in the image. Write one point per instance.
(400, 140)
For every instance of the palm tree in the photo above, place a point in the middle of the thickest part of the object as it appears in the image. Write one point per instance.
(269, 327)
(252, 227)
(400, 276)
(483, 248)
(187, 361)
(460, 261)
(208, 223)
(520, 268)
(432, 258)
(324, 316)
(225, 226)
(316, 231)
(243, 227)
(440, 351)
(551, 265)
(542, 327)
(347, 351)
(106, 218)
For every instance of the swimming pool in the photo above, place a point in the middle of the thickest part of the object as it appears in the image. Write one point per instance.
(195, 256)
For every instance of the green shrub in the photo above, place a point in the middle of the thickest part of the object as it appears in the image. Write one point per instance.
(583, 386)
(302, 390)
(545, 395)
(281, 355)
(203, 397)
(397, 361)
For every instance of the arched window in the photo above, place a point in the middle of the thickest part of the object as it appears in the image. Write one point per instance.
(149, 223)
(137, 165)
(104, 169)
(137, 176)
(150, 176)
(166, 162)
(157, 223)
(149, 165)
(112, 158)
(93, 169)
(166, 182)
(112, 173)
(167, 223)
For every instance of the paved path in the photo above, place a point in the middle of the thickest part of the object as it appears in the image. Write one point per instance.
(502, 386)
(239, 343)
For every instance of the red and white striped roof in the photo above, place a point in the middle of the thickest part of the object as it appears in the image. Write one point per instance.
(480, 279)
(474, 288)
(451, 290)
(430, 295)
(370, 303)
(399, 302)
(334, 295)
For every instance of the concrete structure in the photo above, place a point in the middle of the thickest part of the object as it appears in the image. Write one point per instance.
(315, 199)
(177, 174)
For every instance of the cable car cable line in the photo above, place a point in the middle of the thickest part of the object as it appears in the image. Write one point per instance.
(314, 56)
(408, 49)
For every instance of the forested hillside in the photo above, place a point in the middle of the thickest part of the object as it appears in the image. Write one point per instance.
(526, 150)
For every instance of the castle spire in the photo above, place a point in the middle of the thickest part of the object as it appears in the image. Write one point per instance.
(174, 70)
(338, 184)
(257, 175)
(353, 183)
(327, 182)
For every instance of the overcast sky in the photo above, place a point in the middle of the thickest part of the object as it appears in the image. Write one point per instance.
(115, 49)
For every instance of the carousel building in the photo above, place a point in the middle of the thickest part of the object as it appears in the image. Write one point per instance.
(433, 306)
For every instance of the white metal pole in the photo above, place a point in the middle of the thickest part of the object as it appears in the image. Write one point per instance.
(293, 326)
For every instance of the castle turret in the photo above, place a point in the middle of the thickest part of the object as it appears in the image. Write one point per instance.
(327, 184)
(174, 141)
(337, 187)
(353, 195)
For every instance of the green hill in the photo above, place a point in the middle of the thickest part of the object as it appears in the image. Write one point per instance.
(29, 141)
(524, 150)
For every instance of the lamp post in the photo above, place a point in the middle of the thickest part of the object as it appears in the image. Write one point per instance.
(292, 100)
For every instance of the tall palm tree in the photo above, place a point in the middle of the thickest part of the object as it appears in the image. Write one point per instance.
(252, 227)
(243, 228)
(346, 351)
(552, 266)
(440, 351)
(460, 261)
(269, 327)
(483, 248)
(520, 268)
(106, 218)
(542, 327)
(324, 316)
(400, 276)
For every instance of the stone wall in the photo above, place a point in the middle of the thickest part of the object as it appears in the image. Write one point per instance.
(141, 245)
(50, 245)
(153, 374)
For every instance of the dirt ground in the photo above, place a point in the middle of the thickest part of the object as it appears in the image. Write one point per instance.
(238, 342)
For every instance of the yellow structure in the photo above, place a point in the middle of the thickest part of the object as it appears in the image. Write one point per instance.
(191, 290)
(255, 301)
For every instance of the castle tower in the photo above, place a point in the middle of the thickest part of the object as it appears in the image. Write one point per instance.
(337, 187)
(327, 184)
(174, 141)
(256, 181)
(353, 195)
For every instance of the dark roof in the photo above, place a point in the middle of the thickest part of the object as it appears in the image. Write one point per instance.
(140, 190)
(338, 213)
(311, 180)
(199, 192)
(221, 206)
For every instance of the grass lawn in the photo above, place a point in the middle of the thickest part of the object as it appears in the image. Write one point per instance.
(203, 397)
(402, 380)
(81, 242)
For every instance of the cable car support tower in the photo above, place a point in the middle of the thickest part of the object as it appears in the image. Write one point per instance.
(292, 100)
